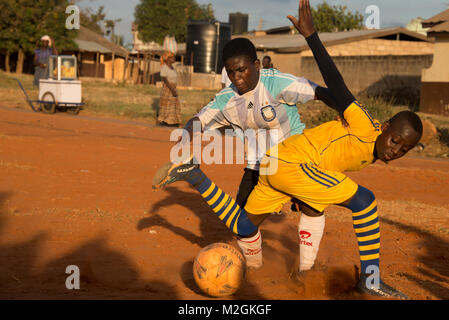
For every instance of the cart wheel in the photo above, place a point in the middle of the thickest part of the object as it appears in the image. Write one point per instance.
(50, 105)
(73, 110)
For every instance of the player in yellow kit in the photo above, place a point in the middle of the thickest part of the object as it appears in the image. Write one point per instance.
(309, 167)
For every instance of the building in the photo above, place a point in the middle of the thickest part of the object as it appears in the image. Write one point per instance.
(435, 79)
(378, 62)
(415, 25)
(98, 57)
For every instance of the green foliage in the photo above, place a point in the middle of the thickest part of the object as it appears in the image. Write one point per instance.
(158, 18)
(91, 20)
(24, 22)
(335, 18)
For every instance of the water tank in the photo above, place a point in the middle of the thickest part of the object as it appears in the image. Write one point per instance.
(238, 22)
(205, 42)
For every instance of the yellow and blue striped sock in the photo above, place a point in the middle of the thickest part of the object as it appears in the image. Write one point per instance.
(366, 225)
(222, 204)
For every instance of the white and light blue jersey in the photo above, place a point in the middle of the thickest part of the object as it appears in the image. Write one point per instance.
(270, 106)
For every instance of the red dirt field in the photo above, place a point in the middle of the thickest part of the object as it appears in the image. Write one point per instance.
(76, 190)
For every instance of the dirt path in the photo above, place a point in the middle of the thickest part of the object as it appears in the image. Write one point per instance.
(77, 191)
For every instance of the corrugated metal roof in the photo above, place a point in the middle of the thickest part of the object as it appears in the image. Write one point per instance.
(296, 43)
(91, 46)
(85, 34)
(438, 18)
(442, 27)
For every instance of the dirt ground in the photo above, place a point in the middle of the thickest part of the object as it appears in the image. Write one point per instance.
(76, 190)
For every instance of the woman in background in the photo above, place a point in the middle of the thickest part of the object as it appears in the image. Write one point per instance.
(169, 106)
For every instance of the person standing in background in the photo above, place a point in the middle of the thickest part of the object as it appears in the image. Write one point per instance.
(225, 81)
(266, 63)
(169, 106)
(42, 58)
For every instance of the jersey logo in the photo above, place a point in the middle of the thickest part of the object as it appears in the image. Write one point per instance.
(250, 105)
(268, 113)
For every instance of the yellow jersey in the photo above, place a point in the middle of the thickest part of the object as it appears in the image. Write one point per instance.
(332, 146)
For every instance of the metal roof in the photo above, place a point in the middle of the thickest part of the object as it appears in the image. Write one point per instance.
(90, 46)
(442, 27)
(291, 43)
(90, 36)
(438, 18)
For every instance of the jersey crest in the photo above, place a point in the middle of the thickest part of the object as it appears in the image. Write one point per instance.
(268, 113)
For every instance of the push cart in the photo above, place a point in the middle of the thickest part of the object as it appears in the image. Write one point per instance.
(62, 89)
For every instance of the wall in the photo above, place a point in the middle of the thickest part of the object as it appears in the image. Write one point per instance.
(439, 71)
(291, 62)
(393, 77)
(435, 80)
(374, 47)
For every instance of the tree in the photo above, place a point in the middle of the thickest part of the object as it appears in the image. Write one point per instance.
(335, 18)
(110, 30)
(91, 20)
(157, 18)
(24, 22)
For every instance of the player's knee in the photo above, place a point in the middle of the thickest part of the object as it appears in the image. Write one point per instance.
(257, 219)
(362, 199)
(306, 209)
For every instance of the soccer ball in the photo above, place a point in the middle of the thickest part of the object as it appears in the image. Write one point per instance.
(218, 269)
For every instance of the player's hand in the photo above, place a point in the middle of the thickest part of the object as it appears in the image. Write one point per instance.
(304, 24)
(342, 120)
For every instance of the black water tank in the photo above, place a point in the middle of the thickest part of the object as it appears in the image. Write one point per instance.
(238, 22)
(205, 42)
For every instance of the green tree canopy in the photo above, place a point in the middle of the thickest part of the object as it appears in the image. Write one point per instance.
(335, 18)
(91, 20)
(24, 22)
(157, 18)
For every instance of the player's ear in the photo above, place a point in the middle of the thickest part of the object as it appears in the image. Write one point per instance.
(385, 125)
(257, 64)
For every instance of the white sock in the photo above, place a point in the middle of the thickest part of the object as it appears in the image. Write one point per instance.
(252, 249)
(310, 232)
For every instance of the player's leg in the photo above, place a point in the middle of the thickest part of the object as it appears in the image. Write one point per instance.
(310, 232)
(235, 218)
(251, 246)
(366, 225)
(314, 190)
(247, 184)
(262, 199)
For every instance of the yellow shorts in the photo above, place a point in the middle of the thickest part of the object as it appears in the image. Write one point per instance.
(317, 187)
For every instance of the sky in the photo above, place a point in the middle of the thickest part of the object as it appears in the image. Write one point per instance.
(273, 12)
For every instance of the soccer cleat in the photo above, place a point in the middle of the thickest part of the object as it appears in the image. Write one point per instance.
(172, 172)
(382, 290)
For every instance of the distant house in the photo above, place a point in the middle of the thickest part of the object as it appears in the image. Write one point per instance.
(372, 61)
(416, 26)
(435, 80)
(99, 57)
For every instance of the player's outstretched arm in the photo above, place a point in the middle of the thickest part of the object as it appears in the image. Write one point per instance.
(332, 77)
(325, 95)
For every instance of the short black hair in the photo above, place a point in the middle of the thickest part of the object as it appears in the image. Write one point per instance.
(267, 57)
(409, 118)
(239, 47)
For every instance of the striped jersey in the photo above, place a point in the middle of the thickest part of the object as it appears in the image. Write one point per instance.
(269, 110)
(332, 146)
